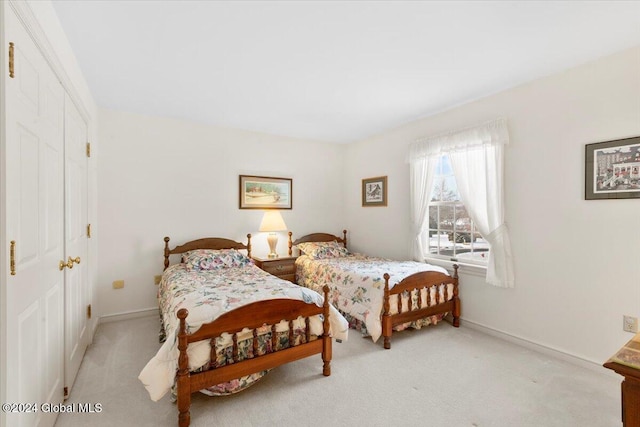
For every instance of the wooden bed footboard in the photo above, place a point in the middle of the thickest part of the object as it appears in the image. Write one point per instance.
(251, 316)
(416, 283)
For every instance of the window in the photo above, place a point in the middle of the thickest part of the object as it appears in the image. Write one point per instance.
(451, 233)
(441, 225)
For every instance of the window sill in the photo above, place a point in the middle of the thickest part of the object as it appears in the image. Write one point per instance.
(470, 269)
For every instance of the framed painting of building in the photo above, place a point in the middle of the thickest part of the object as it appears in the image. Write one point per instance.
(612, 169)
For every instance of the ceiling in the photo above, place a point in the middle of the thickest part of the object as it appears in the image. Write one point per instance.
(327, 70)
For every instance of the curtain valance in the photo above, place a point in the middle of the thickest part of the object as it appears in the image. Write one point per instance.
(489, 133)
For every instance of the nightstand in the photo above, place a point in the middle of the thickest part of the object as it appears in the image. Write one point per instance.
(282, 267)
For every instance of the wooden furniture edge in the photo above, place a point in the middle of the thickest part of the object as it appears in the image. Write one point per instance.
(418, 281)
(188, 383)
(205, 243)
(622, 369)
(629, 392)
(322, 237)
(282, 267)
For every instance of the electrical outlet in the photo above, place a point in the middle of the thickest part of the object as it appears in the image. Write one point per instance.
(630, 324)
(156, 279)
(118, 284)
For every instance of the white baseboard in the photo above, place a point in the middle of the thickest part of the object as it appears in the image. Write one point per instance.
(540, 348)
(127, 315)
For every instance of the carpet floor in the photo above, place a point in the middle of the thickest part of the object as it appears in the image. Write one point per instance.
(438, 376)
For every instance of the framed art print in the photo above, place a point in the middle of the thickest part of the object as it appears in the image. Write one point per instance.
(612, 169)
(374, 191)
(263, 192)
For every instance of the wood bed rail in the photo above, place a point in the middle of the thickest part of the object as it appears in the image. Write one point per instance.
(416, 283)
(251, 316)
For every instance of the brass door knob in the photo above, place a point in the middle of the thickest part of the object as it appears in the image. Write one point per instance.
(68, 264)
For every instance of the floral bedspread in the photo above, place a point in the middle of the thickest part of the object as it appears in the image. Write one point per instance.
(356, 284)
(207, 295)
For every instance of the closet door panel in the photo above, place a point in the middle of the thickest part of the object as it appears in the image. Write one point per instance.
(35, 195)
(51, 217)
(27, 85)
(76, 244)
(53, 339)
(52, 207)
(23, 141)
(27, 364)
(27, 223)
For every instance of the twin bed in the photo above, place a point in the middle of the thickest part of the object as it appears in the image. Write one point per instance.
(227, 322)
(377, 295)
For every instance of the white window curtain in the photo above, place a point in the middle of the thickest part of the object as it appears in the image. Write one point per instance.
(422, 171)
(476, 155)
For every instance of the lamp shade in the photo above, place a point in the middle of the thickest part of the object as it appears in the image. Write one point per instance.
(272, 221)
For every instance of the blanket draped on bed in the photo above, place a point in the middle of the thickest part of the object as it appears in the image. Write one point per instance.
(356, 284)
(207, 295)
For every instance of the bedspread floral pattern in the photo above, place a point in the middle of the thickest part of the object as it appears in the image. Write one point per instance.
(207, 294)
(212, 259)
(320, 250)
(357, 285)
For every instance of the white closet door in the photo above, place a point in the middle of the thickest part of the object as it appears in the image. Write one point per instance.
(35, 314)
(77, 292)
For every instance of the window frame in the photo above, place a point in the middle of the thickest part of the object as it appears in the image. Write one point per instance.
(454, 258)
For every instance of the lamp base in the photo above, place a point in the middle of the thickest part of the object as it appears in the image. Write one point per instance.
(272, 239)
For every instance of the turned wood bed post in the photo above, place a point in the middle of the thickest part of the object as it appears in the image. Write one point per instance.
(456, 299)
(166, 252)
(344, 234)
(184, 386)
(249, 245)
(386, 314)
(326, 337)
(290, 244)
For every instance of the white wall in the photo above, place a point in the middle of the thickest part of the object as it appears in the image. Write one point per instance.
(577, 262)
(162, 177)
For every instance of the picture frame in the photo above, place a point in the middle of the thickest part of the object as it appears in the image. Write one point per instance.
(612, 169)
(265, 192)
(374, 191)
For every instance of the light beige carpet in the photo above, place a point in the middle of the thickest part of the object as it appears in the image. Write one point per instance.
(439, 376)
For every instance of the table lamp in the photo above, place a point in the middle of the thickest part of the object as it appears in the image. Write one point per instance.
(271, 222)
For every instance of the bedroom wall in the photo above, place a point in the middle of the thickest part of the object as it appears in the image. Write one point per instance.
(163, 177)
(577, 262)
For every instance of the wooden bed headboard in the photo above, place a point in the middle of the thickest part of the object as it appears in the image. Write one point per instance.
(323, 237)
(206, 243)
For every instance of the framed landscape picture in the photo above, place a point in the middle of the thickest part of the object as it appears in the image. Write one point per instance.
(263, 192)
(374, 191)
(612, 169)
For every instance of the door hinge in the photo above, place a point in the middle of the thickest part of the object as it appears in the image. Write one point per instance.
(11, 60)
(89, 311)
(12, 257)
(89, 231)
(66, 393)
(88, 149)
